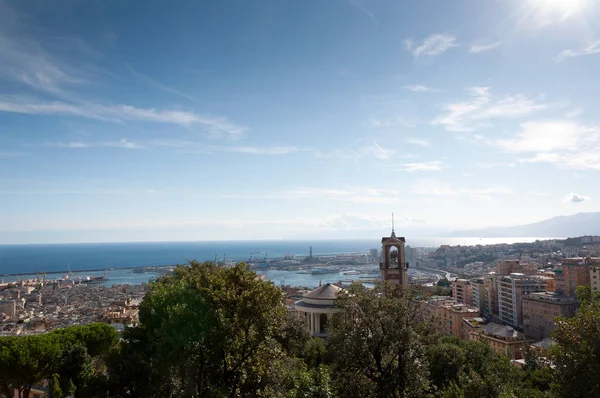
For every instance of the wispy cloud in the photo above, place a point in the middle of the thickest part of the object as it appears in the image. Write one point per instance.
(26, 62)
(481, 107)
(122, 143)
(420, 88)
(158, 85)
(561, 142)
(479, 48)
(436, 187)
(591, 49)
(352, 195)
(434, 165)
(383, 122)
(575, 198)
(432, 46)
(178, 146)
(253, 150)
(492, 165)
(416, 141)
(120, 113)
(358, 5)
(383, 153)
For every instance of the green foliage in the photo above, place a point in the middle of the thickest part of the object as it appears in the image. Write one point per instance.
(444, 282)
(208, 331)
(576, 354)
(378, 343)
(61, 356)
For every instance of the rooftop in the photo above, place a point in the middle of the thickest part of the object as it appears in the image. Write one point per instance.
(326, 292)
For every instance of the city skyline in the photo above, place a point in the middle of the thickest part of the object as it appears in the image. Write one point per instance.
(265, 120)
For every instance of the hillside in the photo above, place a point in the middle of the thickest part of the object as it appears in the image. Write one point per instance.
(558, 227)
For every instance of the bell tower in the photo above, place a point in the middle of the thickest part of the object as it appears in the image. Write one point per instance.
(393, 265)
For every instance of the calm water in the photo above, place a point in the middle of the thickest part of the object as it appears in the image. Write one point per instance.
(28, 259)
(278, 277)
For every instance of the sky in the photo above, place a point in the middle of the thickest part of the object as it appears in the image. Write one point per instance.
(212, 120)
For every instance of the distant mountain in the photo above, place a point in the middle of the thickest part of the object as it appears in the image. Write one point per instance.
(558, 227)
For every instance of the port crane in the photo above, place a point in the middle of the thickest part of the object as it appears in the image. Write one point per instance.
(253, 257)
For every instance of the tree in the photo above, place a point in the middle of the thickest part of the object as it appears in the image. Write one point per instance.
(576, 354)
(25, 361)
(207, 331)
(60, 356)
(444, 282)
(379, 343)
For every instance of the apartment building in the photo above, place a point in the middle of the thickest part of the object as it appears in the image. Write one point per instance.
(510, 292)
(447, 314)
(540, 310)
(507, 267)
(502, 339)
(478, 294)
(573, 272)
(595, 279)
(462, 291)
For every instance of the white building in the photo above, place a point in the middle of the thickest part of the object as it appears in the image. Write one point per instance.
(510, 293)
(317, 307)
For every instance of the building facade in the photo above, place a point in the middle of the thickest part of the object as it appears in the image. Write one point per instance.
(510, 292)
(8, 307)
(502, 339)
(478, 294)
(573, 272)
(540, 310)
(595, 279)
(447, 314)
(317, 308)
(462, 291)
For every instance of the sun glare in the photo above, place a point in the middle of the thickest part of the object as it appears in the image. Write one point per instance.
(563, 8)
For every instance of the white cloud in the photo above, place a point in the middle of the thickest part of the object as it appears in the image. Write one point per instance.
(25, 61)
(351, 195)
(416, 141)
(481, 107)
(359, 152)
(366, 222)
(575, 198)
(180, 146)
(432, 46)
(593, 48)
(549, 136)
(120, 113)
(479, 48)
(420, 88)
(440, 188)
(564, 143)
(253, 150)
(419, 166)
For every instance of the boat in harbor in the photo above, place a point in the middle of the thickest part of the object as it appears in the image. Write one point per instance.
(352, 272)
(318, 271)
(94, 280)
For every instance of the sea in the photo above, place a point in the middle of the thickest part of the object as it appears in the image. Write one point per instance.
(91, 259)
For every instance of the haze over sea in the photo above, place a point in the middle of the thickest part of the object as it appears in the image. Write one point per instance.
(28, 259)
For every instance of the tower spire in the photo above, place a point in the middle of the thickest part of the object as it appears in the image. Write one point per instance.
(393, 231)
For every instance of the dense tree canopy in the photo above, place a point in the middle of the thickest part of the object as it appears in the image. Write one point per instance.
(62, 356)
(210, 331)
(213, 331)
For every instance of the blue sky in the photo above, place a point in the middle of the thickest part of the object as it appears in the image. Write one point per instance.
(129, 121)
